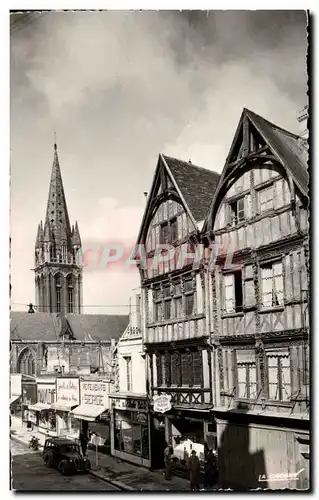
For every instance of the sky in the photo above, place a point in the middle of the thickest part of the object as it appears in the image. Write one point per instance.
(118, 88)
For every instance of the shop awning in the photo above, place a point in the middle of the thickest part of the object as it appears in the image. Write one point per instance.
(61, 407)
(39, 407)
(14, 398)
(88, 412)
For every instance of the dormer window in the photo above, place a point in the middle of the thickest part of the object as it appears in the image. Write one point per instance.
(237, 211)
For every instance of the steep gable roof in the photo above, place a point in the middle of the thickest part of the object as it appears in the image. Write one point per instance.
(34, 327)
(286, 146)
(197, 185)
(97, 326)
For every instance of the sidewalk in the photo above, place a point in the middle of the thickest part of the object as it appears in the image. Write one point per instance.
(122, 474)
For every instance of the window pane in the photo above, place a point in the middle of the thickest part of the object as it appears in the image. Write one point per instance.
(266, 272)
(188, 285)
(252, 382)
(189, 304)
(241, 380)
(185, 368)
(167, 309)
(197, 368)
(277, 269)
(178, 307)
(249, 293)
(174, 370)
(166, 290)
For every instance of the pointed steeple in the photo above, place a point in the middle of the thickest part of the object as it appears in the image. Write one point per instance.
(76, 240)
(40, 236)
(57, 216)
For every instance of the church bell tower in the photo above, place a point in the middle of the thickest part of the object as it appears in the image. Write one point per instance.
(58, 278)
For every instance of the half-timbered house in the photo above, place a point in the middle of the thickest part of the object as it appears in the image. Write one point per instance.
(259, 308)
(175, 325)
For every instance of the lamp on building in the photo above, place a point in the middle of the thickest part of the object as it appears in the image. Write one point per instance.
(31, 309)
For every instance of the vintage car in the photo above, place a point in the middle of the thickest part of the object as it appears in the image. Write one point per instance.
(65, 455)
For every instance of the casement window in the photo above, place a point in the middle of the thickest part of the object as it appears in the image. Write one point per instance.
(272, 284)
(169, 304)
(157, 305)
(179, 369)
(178, 301)
(167, 301)
(128, 370)
(237, 211)
(169, 231)
(164, 233)
(266, 199)
(189, 297)
(174, 230)
(246, 374)
(249, 287)
(233, 292)
(278, 375)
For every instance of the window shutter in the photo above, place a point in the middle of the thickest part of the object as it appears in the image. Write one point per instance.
(249, 287)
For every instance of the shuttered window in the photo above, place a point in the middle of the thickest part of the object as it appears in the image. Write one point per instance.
(246, 374)
(233, 292)
(179, 369)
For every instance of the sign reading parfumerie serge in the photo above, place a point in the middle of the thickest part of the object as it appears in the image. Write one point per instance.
(67, 391)
(94, 393)
(162, 403)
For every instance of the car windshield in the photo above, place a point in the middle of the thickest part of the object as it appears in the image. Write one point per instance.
(69, 448)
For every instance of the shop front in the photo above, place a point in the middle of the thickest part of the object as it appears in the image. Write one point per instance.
(67, 398)
(15, 395)
(130, 428)
(92, 414)
(29, 397)
(185, 429)
(41, 414)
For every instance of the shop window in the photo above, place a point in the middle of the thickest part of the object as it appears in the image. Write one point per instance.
(272, 285)
(278, 372)
(131, 433)
(233, 292)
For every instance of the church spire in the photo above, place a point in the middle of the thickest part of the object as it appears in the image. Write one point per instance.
(57, 217)
(58, 278)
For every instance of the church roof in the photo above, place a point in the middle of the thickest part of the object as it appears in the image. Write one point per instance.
(197, 185)
(42, 327)
(34, 327)
(97, 326)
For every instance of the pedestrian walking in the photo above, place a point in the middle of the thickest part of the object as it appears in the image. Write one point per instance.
(168, 462)
(209, 470)
(194, 471)
(83, 441)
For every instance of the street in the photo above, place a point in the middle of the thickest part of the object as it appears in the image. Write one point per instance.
(29, 473)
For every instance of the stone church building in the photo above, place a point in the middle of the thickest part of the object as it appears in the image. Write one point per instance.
(57, 337)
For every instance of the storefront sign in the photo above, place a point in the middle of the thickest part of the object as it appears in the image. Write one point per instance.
(129, 404)
(162, 403)
(46, 393)
(67, 391)
(94, 393)
(15, 384)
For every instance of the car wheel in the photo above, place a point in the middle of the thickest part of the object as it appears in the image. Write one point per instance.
(64, 467)
(47, 460)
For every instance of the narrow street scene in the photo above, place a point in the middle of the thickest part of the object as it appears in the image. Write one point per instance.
(29, 469)
(159, 251)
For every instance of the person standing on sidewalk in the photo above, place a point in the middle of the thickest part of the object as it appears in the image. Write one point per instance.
(83, 441)
(194, 471)
(168, 462)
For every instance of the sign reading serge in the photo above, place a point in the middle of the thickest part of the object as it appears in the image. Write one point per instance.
(94, 393)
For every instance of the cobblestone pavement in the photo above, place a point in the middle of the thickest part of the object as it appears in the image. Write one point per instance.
(29, 473)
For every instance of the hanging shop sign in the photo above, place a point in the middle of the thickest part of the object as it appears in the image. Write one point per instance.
(94, 393)
(68, 391)
(46, 393)
(162, 403)
(141, 418)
